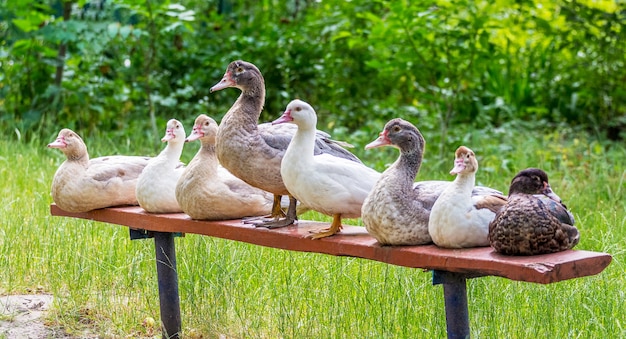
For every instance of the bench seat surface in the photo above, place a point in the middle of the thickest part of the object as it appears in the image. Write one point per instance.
(354, 241)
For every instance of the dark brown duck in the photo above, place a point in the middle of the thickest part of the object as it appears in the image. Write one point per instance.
(534, 220)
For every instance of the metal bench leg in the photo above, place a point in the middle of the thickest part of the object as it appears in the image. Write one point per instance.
(455, 295)
(168, 284)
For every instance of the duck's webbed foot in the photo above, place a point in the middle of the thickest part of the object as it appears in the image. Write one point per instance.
(335, 227)
(278, 218)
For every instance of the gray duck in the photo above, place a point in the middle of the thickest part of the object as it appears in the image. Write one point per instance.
(397, 210)
(534, 219)
(253, 152)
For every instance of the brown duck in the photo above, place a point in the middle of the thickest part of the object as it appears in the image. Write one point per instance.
(208, 191)
(534, 220)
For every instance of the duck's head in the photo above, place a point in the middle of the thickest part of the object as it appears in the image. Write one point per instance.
(300, 113)
(464, 161)
(400, 134)
(239, 74)
(70, 143)
(532, 181)
(204, 128)
(175, 132)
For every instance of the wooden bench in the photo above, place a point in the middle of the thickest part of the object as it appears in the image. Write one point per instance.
(451, 268)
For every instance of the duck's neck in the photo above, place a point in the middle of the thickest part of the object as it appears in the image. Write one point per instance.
(172, 152)
(302, 144)
(407, 166)
(251, 102)
(207, 152)
(81, 158)
(464, 182)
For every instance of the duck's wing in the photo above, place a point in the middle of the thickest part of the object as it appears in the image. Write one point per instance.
(239, 187)
(124, 167)
(279, 136)
(482, 190)
(431, 186)
(492, 202)
(557, 209)
(324, 144)
(346, 173)
(427, 192)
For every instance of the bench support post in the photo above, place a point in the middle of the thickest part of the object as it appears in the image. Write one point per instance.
(455, 295)
(168, 284)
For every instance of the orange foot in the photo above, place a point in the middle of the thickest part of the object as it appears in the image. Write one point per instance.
(334, 228)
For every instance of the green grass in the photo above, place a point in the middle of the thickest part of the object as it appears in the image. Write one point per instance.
(105, 284)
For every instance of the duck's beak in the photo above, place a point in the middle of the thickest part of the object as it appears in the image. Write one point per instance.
(58, 143)
(195, 134)
(382, 140)
(459, 165)
(169, 135)
(227, 81)
(286, 117)
(547, 191)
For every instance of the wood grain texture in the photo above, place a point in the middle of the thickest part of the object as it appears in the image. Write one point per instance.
(354, 241)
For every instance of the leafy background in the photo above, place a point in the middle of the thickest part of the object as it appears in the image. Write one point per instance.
(123, 67)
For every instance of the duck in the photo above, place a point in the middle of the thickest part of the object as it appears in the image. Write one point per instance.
(156, 186)
(458, 219)
(327, 184)
(397, 210)
(253, 152)
(82, 184)
(534, 219)
(207, 191)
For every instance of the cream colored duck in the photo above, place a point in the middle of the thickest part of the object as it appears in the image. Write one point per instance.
(254, 152)
(397, 210)
(458, 219)
(325, 183)
(156, 187)
(534, 220)
(206, 192)
(81, 184)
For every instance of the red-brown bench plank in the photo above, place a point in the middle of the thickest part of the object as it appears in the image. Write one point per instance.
(355, 242)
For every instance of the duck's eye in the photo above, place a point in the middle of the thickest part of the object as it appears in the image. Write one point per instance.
(207, 123)
(396, 129)
(298, 109)
(239, 69)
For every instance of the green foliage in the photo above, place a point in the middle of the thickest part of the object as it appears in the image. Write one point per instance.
(131, 65)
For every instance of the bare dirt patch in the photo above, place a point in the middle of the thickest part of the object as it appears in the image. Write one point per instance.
(22, 317)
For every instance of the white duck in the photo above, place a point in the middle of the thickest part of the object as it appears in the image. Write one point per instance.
(397, 210)
(81, 184)
(458, 219)
(324, 183)
(208, 191)
(254, 152)
(156, 187)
